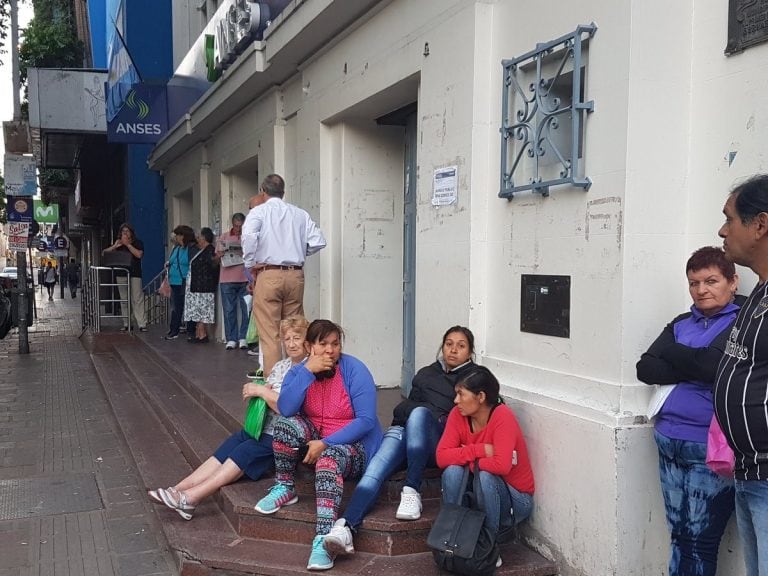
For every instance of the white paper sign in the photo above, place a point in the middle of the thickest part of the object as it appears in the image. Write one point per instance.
(445, 186)
(18, 232)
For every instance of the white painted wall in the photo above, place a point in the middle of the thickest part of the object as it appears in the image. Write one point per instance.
(669, 107)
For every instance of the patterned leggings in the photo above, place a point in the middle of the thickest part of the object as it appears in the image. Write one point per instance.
(334, 465)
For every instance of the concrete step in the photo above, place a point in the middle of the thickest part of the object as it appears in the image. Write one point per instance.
(227, 536)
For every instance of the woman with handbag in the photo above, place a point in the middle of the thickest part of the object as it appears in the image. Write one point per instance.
(177, 269)
(684, 360)
(482, 428)
(328, 407)
(411, 440)
(240, 453)
(202, 282)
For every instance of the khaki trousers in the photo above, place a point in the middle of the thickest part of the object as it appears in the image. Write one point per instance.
(277, 295)
(137, 300)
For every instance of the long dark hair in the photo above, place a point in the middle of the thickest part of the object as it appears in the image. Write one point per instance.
(461, 330)
(480, 379)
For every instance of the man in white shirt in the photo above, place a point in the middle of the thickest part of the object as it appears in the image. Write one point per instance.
(277, 237)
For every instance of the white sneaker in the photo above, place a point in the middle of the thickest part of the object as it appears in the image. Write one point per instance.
(253, 352)
(243, 344)
(231, 345)
(410, 505)
(498, 562)
(339, 539)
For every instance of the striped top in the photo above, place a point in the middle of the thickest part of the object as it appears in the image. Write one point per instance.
(741, 388)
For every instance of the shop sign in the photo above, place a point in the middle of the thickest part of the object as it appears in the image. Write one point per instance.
(143, 118)
(20, 174)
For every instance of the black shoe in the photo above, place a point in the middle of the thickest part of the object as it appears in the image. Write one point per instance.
(142, 328)
(171, 336)
(201, 340)
(191, 339)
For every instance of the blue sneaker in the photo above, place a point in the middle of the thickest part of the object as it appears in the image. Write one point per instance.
(279, 495)
(320, 558)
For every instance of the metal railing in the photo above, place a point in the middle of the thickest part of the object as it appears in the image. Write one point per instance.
(100, 295)
(157, 307)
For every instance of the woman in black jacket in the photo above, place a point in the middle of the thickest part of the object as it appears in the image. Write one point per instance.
(202, 281)
(411, 440)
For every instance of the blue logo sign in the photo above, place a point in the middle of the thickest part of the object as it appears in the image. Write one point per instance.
(143, 118)
(20, 208)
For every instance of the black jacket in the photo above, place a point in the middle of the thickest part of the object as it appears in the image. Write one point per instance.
(431, 387)
(205, 271)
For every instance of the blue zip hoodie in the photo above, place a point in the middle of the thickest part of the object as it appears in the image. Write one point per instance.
(361, 389)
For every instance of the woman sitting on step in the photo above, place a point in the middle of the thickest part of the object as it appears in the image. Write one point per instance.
(329, 421)
(411, 441)
(240, 453)
(482, 428)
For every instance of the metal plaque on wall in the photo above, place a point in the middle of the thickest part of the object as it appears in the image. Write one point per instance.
(747, 24)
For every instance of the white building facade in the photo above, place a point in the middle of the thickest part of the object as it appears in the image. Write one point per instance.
(358, 105)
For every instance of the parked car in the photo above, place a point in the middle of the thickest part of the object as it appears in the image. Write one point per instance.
(8, 277)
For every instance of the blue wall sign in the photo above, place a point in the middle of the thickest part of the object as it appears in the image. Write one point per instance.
(143, 119)
(20, 208)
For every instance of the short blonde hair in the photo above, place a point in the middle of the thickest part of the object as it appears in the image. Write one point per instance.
(295, 323)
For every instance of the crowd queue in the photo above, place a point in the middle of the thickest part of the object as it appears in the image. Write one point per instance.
(709, 366)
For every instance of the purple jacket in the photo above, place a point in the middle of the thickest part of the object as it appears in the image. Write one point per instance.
(687, 354)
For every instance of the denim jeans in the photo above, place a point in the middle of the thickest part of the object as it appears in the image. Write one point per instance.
(503, 505)
(698, 505)
(752, 519)
(234, 309)
(415, 444)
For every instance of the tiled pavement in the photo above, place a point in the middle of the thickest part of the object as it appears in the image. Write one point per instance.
(71, 501)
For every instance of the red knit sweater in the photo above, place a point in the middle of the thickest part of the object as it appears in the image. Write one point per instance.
(460, 446)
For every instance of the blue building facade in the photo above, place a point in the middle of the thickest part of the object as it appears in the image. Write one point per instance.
(146, 27)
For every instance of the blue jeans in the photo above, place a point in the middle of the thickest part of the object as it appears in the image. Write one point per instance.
(504, 506)
(752, 519)
(232, 302)
(414, 444)
(698, 505)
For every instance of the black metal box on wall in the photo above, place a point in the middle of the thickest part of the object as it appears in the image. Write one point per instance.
(545, 305)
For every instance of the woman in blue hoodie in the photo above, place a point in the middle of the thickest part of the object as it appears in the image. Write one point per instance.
(328, 404)
(684, 360)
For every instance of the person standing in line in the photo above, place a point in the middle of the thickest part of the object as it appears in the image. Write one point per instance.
(233, 285)
(49, 279)
(684, 359)
(73, 277)
(127, 241)
(741, 397)
(277, 237)
(177, 268)
(200, 295)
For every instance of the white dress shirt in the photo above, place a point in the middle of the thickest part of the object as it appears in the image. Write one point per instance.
(279, 233)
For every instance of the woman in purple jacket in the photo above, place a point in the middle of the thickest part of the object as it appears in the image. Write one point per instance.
(685, 356)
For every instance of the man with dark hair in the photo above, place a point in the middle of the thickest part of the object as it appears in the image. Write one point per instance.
(277, 237)
(741, 387)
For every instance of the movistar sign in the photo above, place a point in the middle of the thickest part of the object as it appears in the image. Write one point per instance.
(46, 214)
(143, 118)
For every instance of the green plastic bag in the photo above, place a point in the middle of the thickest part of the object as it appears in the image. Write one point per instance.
(252, 336)
(254, 417)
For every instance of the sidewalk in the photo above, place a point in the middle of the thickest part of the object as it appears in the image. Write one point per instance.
(71, 501)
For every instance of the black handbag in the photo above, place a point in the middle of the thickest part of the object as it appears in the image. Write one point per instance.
(459, 539)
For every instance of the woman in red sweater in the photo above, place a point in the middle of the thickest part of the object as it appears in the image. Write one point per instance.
(482, 427)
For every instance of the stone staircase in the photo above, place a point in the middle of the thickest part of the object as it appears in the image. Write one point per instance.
(174, 409)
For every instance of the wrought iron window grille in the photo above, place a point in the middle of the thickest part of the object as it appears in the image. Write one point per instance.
(535, 143)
